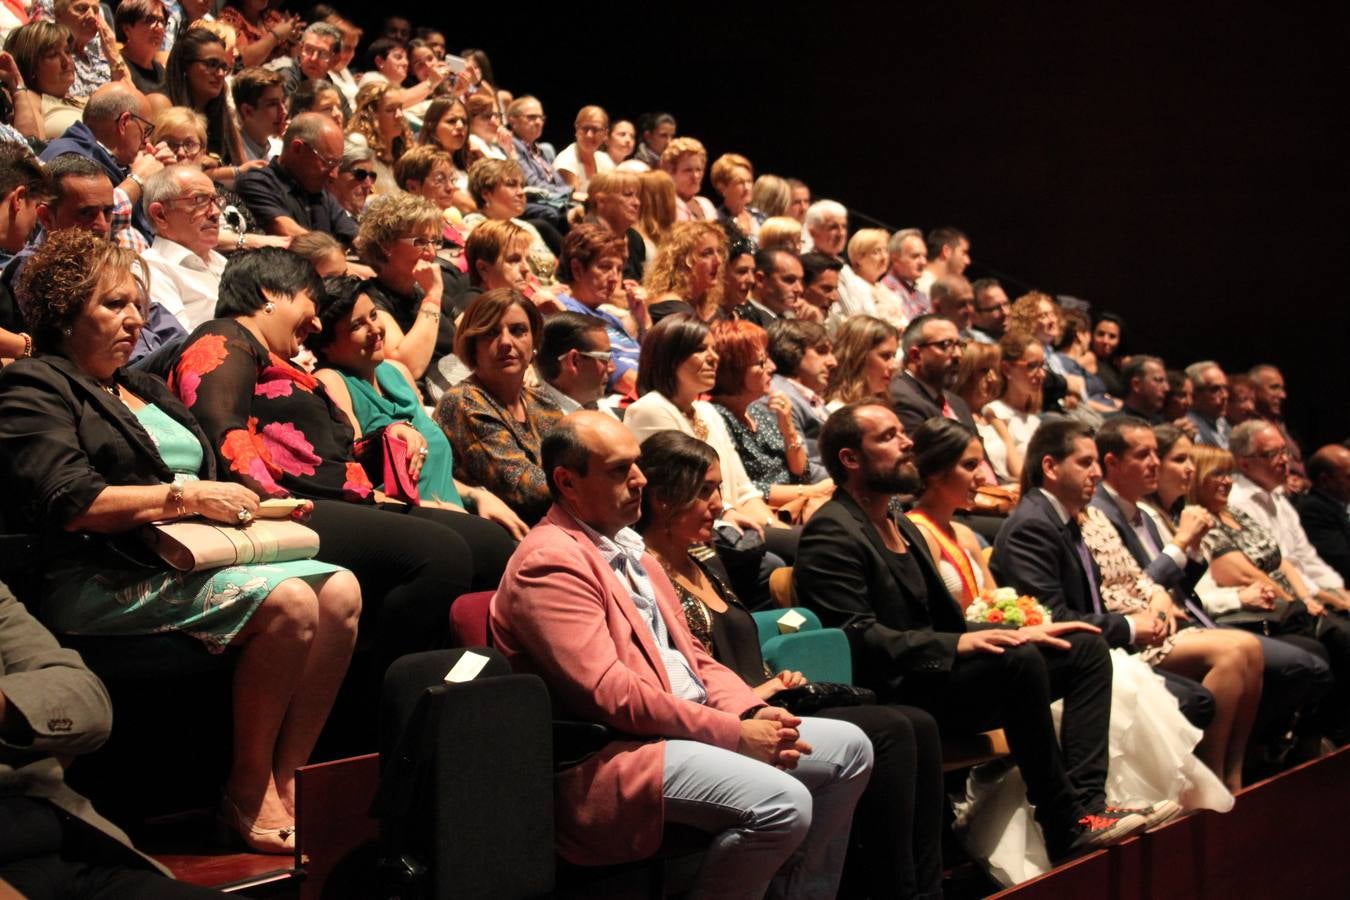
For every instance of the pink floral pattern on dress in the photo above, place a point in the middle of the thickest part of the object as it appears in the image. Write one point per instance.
(289, 450)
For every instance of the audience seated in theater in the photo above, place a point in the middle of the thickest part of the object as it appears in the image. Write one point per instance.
(183, 132)
(262, 33)
(1145, 380)
(195, 76)
(685, 160)
(860, 289)
(1262, 453)
(288, 195)
(378, 117)
(1037, 314)
(930, 358)
(183, 264)
(319, 97)
(804, 361)
(498, 189)
(97, 58)
(339, 69)
(979, 382)
(615, 200)
(1270, 396)
(323, 251)
(778, 288)
(544, 184)
(585, 608)
(43, 53)
(622, 141)
(781, 233)
(1241, 400)
(67, 415)
(658, 213)
(1108, 350)
(953, 297)
(591, 265)
(801, 199)
(260, 103)
(827, 226)
(771, 195)
(430, 173)
(354, 181)
(446, 127)
(140, 25)
(760, 422)
(375, 393)
(686, 276)
(55, 709)
(1179, 400)
(274, 429)
(948, 254)
(991, 311)
(1073, 351)
(820, 286)
(657, 130)
(1041, 551)
(908, 258)
(733, 178)
(575, 363)
(1209, 406)
(319, 45)
(582, 160)
(738, 279)
(489, 138)
(494, 421)
(899, 813)
(432, 78)
(23, 183)
(1324, 512)
(867, 350)
(869, 573)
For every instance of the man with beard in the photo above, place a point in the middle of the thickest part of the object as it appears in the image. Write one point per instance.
(867, 571)
(991, 311)
(931, 350)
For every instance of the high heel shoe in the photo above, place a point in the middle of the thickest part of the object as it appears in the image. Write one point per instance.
(260, 840)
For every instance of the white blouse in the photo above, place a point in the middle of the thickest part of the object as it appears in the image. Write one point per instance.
(1021, 425)
(653, 412)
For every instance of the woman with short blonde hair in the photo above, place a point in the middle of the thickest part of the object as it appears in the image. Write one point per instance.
(771, 195)
(583, 159)
(733, 178)
(781, 233)
(860, 287)
(685, 160)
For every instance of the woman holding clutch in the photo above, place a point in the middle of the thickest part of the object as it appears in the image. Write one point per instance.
(96, 451)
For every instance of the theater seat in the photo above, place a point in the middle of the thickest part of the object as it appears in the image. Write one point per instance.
(821, 654)
(469, 620)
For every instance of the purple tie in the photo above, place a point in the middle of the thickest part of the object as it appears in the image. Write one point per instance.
(1085, 557)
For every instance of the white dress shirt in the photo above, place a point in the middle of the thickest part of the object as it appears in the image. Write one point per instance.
(1273, 512)
(182, 282)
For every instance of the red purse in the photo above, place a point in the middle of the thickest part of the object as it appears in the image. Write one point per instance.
(385, 458)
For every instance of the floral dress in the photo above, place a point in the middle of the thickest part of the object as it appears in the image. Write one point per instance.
(273, 426)
(1249, 539)
(762, 448)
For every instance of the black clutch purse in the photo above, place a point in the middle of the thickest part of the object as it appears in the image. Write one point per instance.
(817, 695)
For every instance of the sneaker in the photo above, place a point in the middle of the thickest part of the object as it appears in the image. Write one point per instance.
(1154, 815)
(1102, 830)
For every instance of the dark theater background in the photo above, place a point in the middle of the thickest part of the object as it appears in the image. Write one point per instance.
(1183, 165)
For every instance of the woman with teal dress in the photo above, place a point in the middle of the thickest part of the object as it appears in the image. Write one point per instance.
(378, 393)
(92, 451)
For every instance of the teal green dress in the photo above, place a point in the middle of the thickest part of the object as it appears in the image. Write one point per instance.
(210, 606)
(396, 401)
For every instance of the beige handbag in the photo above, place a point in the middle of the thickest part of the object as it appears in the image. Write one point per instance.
(196, 545)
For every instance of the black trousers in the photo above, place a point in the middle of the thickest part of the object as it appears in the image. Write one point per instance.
(489, 545)
(1013, 691)
(897, 839)
(1194, 699)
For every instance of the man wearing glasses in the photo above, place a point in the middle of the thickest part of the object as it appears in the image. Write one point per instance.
(1209, 411)
(931, 353)
(991, 311)
(320, 45)
(184, 266)
(115, 133)
(574, 361)
(289, 196)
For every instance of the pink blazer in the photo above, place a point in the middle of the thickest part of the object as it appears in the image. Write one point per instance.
(563, 614)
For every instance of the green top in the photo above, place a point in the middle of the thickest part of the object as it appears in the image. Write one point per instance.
(396, 401)
(177, 446)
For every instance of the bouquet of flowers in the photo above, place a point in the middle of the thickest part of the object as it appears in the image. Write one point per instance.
(1005, 607)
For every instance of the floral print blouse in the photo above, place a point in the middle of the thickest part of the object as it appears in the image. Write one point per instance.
(1249, 539)
(273, 426)
(762, 449)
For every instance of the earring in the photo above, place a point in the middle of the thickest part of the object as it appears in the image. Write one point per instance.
(66, 332)
(269, 307)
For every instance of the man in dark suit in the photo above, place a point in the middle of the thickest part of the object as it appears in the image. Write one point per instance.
(931, 353)
(1040, 551)
(869, 572)
(1296, 671)
(1325, 510)
(778, 288)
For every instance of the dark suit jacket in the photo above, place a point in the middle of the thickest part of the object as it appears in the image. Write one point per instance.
(1034, 554)
(1328, 528)
(847, 576)
(1161, 568)
(751, 313)
(914, 405)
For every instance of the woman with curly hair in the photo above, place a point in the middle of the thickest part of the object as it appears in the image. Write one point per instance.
(686, 276)
(378, 117)
(864, 348)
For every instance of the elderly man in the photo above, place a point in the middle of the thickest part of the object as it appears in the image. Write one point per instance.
(948, 254)
(1269, 395)
(289, 196)
(1209, 409)
(575, 361)
(869, 572)
(930, 355)
(1262, 455)
(909, 258)
(548, 194)
(991, 311)
(954, 298)
(827, 226)
(184, 266)
(584, 606)
(777, 291)
(320, 45)
(1325, 510)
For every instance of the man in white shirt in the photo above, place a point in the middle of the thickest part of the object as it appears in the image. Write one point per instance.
(185, 268)
(1262, 455)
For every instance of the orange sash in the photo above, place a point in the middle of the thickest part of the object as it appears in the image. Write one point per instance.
(953, 553)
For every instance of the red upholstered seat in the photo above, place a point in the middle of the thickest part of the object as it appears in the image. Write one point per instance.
(469, 620)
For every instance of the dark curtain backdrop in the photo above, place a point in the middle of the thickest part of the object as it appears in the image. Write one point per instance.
(1185, 167)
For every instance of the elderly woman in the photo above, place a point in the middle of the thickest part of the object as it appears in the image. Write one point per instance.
(378, 117)
(733, 178)
(865, 350)
(97, 451)
(375, 392)
(760, 422)
(261, 32)
(861, 290)
(900, 812)
(275, 430)
(591, 267)
(1018, 407)
(140, 26)
(97, 60)
(498, 189)
(430, 172)
(979, 382)
(356, 176)
(616, 200)
(781, 233)
(684, 160)
(314, 95)
(195, 76)
(496, 423)
(581, 160)
(399, 236)
(686, 276)
(43, 53)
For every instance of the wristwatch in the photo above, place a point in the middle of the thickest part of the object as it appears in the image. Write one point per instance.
(177, 495)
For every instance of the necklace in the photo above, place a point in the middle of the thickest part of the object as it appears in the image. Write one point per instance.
(112, 389)
(700, 429)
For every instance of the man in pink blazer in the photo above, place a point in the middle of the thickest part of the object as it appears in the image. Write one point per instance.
(585, 608)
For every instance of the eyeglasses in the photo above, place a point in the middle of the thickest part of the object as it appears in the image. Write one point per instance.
(190, 147)
(218, 66)
(421, 243)
(147, 127)
(153, 21)
(198, 202)
(364, 175)
(315, 52)
(530, 117)
(597, 355)
(945, 345)
(591, 129)
(1212, 389)
(988, 309)
(1030, 366)
(329, 164)
(1270, 455)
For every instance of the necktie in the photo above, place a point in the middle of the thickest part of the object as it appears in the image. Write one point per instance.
(1085, 557)
(1195, 609)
